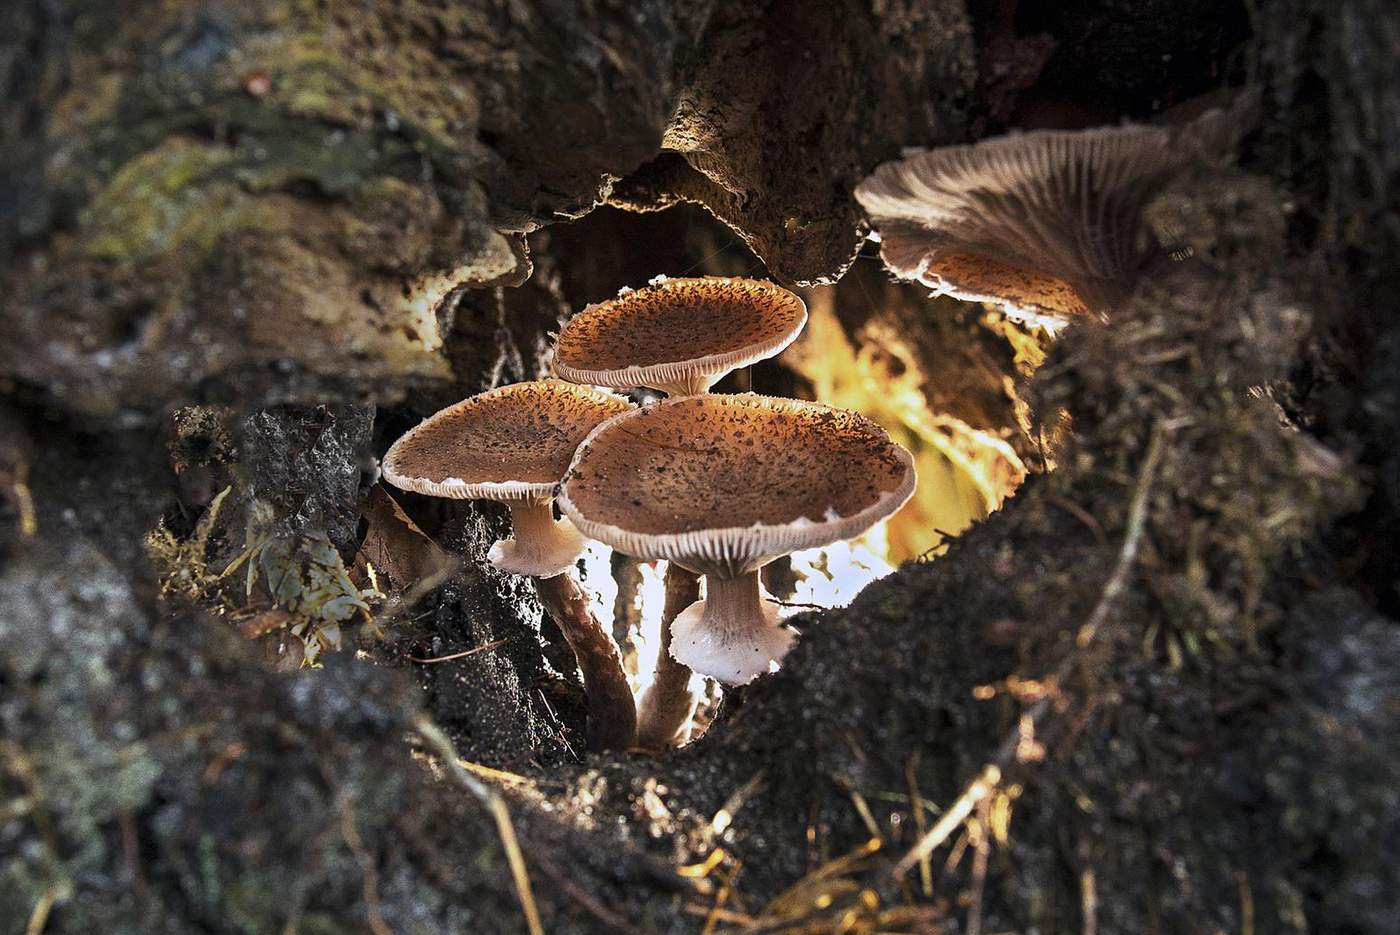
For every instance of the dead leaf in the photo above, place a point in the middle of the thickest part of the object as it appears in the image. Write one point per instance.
(402, 554)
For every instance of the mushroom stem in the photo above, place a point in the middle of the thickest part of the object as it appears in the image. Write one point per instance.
(732, 635)
(692, 385)
(541, 545)
(612, 714)
(667, 706)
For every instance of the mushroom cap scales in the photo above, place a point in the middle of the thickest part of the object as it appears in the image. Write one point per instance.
(678, 332)
(1044, 223)
(510, 443)
(722, 484)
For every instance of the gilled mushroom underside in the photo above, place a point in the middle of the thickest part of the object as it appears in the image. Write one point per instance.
(1043, 223)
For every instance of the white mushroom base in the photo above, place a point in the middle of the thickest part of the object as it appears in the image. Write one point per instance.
(542, 546)
(733, 635)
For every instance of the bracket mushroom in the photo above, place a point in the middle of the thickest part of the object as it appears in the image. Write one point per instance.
(1045, 224)
(721, 485)
(680, 336)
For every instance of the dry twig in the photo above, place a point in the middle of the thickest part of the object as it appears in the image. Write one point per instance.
(487, 647)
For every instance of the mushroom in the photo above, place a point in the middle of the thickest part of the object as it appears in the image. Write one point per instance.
(680, 336)
(721, 485)
(1045, 224)
(513, 444)
(510, 444)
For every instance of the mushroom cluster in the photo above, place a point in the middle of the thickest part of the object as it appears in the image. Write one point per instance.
(715, 485)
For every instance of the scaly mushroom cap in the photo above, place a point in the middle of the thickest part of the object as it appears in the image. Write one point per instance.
(1045, 224)
(510, 443)
(678, 335)
(722, 484)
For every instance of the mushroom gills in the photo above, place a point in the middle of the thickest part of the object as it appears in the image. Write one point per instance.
(541, 545)
(733, 635)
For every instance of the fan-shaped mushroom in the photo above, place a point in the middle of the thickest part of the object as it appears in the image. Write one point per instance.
(679, 336)
(1045, 224)
(723, 484)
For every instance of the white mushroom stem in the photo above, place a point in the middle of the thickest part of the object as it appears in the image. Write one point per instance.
(541, 545)
(733, 635)
(693, 384)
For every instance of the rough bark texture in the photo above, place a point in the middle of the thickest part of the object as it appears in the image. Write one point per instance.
(789, 104)
(276, 206)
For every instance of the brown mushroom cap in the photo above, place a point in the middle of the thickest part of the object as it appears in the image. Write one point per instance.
(510, 443)
(678, 332)
(1024, 294)
(722, 484)
(1044, 223)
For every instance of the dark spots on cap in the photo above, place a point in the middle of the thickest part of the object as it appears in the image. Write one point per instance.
(679, 320)
(686, 473)
(527, 432)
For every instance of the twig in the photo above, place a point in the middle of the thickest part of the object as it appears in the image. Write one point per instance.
(1088, 902)
(1132, 538)
(442, 744)
(517, 865)
(774, 600)
(980, 854)
(24, 501)
(499, 775)
(724, 915)
(957, 813)
(462, 655)
(369, 886)
(725, 816)
(989, 776)
(721, 896)
(701, 870)
(613, 921)
(1081, 514)
(40, 916)
(916, 799)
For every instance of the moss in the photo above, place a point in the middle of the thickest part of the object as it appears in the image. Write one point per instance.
(77, 110)
(152, 198)
(351, 76)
